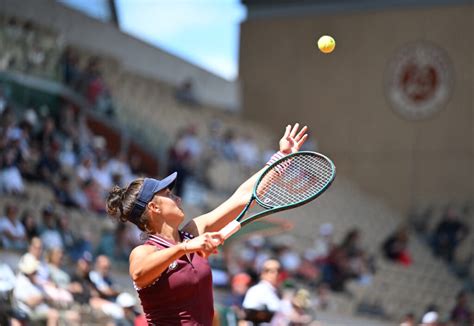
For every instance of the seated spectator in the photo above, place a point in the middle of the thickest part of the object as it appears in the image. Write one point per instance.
(395, 247)
(30, 225)
(262, 300)
(12, 231)
(336, 270)
(54, 259)
(461, 314)
(30, 295)
(324, 243)
(131, 316)
(239, 285)
(448, 234)
(9, 313)
(49, 232)
(100, 276)
(11, 181)
(295, 310)
(35, 248)
(38, 301)
(360, 264)
(408, 320)
(75, 242)
(85, 292)
(64, 193)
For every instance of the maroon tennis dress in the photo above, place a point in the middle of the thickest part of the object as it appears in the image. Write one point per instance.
(182, 295)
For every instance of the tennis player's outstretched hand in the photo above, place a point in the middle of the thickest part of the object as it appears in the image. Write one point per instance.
(292, 140)
(205, 244)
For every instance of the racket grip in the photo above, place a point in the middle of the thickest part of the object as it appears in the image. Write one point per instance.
(230, 229)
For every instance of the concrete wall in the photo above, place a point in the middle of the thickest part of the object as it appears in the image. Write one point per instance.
(341, 96)
(132, 54)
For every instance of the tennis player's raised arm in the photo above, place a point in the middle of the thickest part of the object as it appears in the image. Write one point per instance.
(215, 220)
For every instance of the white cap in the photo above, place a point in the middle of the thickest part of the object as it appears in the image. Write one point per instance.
(126, 300)
(28, 264)
(430, 317)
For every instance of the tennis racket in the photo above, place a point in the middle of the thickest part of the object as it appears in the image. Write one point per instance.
(292, 181)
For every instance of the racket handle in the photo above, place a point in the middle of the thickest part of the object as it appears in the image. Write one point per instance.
(230, 229)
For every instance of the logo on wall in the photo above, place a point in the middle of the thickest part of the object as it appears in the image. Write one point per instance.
(419, 80)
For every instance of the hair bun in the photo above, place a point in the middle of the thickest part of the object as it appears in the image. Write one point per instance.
(114, 202)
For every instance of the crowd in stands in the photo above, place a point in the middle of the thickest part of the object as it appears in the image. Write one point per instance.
(44, 289)
(446, 233)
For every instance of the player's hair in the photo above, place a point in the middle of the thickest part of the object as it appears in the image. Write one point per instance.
(120, 202)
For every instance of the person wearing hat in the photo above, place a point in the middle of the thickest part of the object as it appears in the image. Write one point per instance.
(131, 317)
(29, 294)
(170, 270)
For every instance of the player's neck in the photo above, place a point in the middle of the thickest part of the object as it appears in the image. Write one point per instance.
(169, 232)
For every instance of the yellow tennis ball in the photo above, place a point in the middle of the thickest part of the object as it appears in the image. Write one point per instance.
(326, 44)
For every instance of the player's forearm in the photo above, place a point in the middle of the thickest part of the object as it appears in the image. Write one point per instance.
(148, 268)
(228, 210)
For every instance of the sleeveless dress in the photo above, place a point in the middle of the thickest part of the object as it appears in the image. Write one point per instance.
(182, 295)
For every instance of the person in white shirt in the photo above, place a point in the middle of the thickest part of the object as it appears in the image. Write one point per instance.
(12, 231)
(264, 296)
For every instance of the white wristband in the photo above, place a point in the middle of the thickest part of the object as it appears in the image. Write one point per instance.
(275, 157)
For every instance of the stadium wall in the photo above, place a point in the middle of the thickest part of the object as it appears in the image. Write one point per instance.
(343, 96)
(134, 55)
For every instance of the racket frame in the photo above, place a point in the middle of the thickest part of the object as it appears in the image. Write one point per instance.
(237, 224)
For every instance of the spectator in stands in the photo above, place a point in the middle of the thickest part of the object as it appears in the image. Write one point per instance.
(30, 295)
(11, 180)
(185, 93)
(295, 310)
(408, 320)
(69, 63)
(35, 249)
(100, 276)
(10, 314)
(228, 146)
(360, 264)
(179, 158)
(239, 285)
(448, 234)
(48, 165)
(430, 319)
(323, 244)
(49, 233)
(75, 242)
(12, 231)
(131, 317)
(461, 314)
(64, 193)
(94, 195)
(29, 223)
(395, 247)
(263, 300)
(48, 137)
(54, 260)
(336, 270)
(85, 291)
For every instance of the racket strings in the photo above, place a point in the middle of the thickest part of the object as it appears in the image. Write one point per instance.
(294, 180)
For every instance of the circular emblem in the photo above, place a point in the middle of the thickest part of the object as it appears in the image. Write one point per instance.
(419, 80)
(173, 265)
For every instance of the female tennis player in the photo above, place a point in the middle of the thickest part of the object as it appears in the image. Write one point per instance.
(170, 270)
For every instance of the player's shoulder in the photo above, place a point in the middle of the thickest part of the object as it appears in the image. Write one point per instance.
(141, 250)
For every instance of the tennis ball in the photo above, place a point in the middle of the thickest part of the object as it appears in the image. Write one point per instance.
(326, 44)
